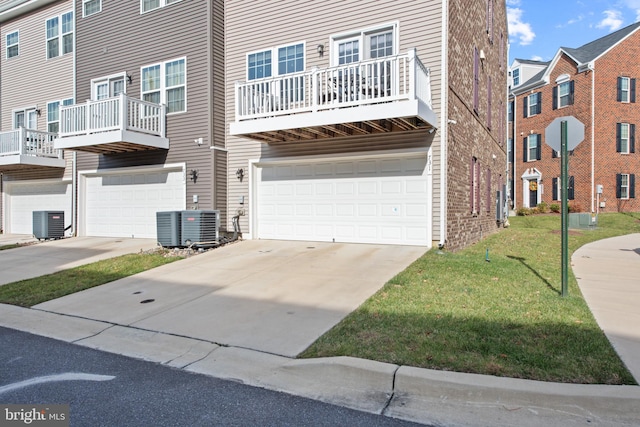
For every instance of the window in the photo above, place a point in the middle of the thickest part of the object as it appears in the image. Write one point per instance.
(59, 36)
(626, 89)
(625, 186)
(53, 114)
(563, 94)
(370, 44)
(625, 138)
(89, 7)
(515, 75)
(510, 111)
(510, 150)
(107, 87)
(489, 106)
(557, 188)
(27, 118)
(490, 20)
(13, 40)
(474, 187)
(488, 195)
(166, 83)
(147, 5)
(290, 59)
(532, 104)
(259, 65)
(531, 148)
(476, 79)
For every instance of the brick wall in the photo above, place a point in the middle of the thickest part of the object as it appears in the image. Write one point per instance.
(471, 136)
(620, 61)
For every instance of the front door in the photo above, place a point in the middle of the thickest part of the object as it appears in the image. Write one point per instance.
(533, 194)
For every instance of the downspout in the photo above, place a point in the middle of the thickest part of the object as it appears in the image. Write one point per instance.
(74, 160)
(444, 134)
(593, 141)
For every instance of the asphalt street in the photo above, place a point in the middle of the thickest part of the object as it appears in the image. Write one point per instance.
(118, 391)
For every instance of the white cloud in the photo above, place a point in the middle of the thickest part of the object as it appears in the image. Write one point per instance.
(517, 28)
(612, 21)
(513, 2)
(536, 58)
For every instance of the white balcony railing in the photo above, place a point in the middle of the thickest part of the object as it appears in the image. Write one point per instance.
(117, 113)
(28, 142)
(392, 78)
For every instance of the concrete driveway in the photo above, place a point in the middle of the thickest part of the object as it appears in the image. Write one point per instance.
(54, 255)
(276, 297)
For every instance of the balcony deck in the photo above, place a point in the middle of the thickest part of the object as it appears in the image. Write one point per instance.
(114, 125)
(28, 148)
(392, 94)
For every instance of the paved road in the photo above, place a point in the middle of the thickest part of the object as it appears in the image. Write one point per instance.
(127, 392)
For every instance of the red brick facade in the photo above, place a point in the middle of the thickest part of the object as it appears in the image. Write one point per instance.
(595, 161)
(476, 133)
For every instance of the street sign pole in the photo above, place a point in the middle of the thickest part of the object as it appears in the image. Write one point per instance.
(564, 177)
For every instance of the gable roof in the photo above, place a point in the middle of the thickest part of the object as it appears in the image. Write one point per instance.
(581, 55)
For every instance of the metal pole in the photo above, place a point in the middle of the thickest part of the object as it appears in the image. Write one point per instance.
(564, 154)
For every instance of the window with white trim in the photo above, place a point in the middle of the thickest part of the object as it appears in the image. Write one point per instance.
(289, 59)
(148, 5)
(26, 118)
(108, 87)
(474, 186)
(13, 44)
(534, 102)
(563, 94)
(59, 31)
(531, 148)
(166, 83)
(625, 138)
(515, 76)
(53, 114)
(625, 186)
(372, 43)
(90, 7)
(626, 90)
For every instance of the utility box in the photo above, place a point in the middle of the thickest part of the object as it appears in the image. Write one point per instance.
(48, 225)
(169, 228)
(199, 226)
(582, 220)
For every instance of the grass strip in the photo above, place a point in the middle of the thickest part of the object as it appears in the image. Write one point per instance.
(504, 317)
(27, 293)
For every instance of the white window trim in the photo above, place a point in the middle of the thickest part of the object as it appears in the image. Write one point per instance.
(361, 34)
(25, 111)
(628, 139)
(626, 187)
(163, 87)
(529, 159)
(6, 52)
(567, 96)
(60, 35)
(60, 103)
(106, 79)
(163, 3)
(84, 2)
(626, 99)
(274, 59)
(513, 79)
(533, 96)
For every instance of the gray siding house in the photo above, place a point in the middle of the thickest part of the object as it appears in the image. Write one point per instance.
(339, 118)
(142, 125)
(36, 80)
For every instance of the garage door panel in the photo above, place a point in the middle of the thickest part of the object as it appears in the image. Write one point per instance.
(125, 205)
(24, 198)
(368, 201)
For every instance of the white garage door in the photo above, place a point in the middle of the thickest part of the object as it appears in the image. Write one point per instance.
(361, 201)
(24, 198)
(125, 204)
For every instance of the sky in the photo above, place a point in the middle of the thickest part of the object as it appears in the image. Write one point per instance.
(538, 28)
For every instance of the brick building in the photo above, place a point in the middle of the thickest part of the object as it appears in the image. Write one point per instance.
(596, 84)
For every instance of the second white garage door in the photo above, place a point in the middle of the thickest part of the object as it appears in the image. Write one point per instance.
(124, 204)
(384, 200)
(25, 197)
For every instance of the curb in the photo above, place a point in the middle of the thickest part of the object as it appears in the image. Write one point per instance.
(421, 395)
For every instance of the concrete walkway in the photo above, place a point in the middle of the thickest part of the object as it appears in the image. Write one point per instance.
(421, 395)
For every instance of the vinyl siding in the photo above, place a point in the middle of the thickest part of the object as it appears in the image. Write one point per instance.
(32, 80)
(252, 26)
(119, 39)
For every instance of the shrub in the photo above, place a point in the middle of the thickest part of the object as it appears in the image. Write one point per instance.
(523, 212)
(542, 207)
(554, 207)
(574, 207)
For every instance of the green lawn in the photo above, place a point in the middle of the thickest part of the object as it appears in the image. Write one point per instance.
(27, 293)
(505, 317)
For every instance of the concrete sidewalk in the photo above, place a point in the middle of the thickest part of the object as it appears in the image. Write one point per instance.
(54, 255)
(421, 395)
